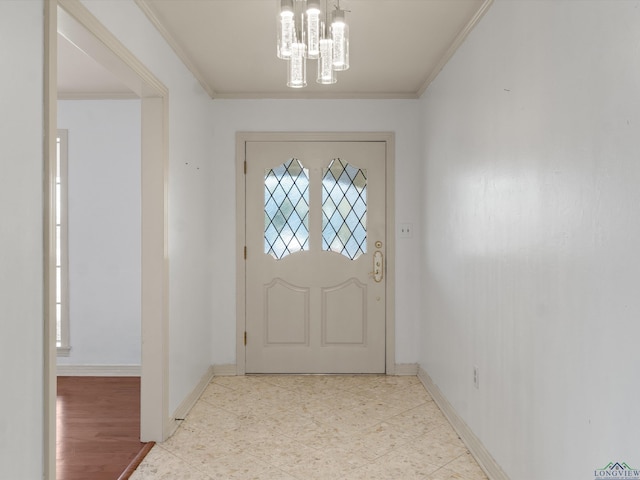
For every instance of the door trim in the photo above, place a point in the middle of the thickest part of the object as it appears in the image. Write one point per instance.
(77, 23)
(389, 139)
(87, 32)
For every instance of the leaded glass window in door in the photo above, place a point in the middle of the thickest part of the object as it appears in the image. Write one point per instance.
(344, 209)
(286, 209)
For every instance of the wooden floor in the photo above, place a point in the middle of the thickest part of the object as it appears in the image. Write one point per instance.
(98, 427)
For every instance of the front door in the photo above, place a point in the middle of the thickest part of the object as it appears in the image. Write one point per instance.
(315, 272)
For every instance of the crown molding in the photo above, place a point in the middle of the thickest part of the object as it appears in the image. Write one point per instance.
(316, 96)
(97, 96)
(175, 46)
(459, 40)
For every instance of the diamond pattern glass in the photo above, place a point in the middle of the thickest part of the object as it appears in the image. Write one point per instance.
(286, 209)
(344, 209)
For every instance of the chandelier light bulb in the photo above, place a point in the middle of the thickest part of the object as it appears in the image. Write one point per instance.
(340, 36)
(285, 29)
(297, 66)
(326, 74)
(313, 29)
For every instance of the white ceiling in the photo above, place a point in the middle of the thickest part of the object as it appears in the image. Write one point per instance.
(397, 47)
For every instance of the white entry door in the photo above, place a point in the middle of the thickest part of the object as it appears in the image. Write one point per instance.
(315, 259)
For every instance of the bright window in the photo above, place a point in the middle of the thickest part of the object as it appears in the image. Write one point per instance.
(286, 209)
(344, 209)
(62, 270)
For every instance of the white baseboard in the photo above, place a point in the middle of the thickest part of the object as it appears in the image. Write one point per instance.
(230, 370)
(191, 399)
(224, 370)
(187, 404)
(170, 427)
(98, 370)
(473, 443)
(407, 369)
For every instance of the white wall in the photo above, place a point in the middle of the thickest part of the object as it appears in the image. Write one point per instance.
(400, 116)
(104, 194)
(191, 260)
(21, 267)
(532, 229)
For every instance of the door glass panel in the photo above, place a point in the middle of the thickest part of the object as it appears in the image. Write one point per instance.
(286, 209)
(344, 209)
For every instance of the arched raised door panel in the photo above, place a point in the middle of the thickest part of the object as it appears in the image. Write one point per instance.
(286, 314)
(344, 314)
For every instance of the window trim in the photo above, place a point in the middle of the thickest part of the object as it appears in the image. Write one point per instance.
(62, 141)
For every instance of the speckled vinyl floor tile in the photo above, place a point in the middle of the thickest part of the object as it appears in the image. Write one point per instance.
(296, 427)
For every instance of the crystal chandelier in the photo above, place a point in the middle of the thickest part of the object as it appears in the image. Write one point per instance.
(307, 31)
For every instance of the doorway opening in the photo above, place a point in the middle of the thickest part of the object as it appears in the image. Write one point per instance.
(72, 20)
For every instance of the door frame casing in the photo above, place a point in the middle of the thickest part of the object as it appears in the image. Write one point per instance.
(389, 139)
(105, 48)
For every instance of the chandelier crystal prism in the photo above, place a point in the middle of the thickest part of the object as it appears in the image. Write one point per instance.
(306, 30)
